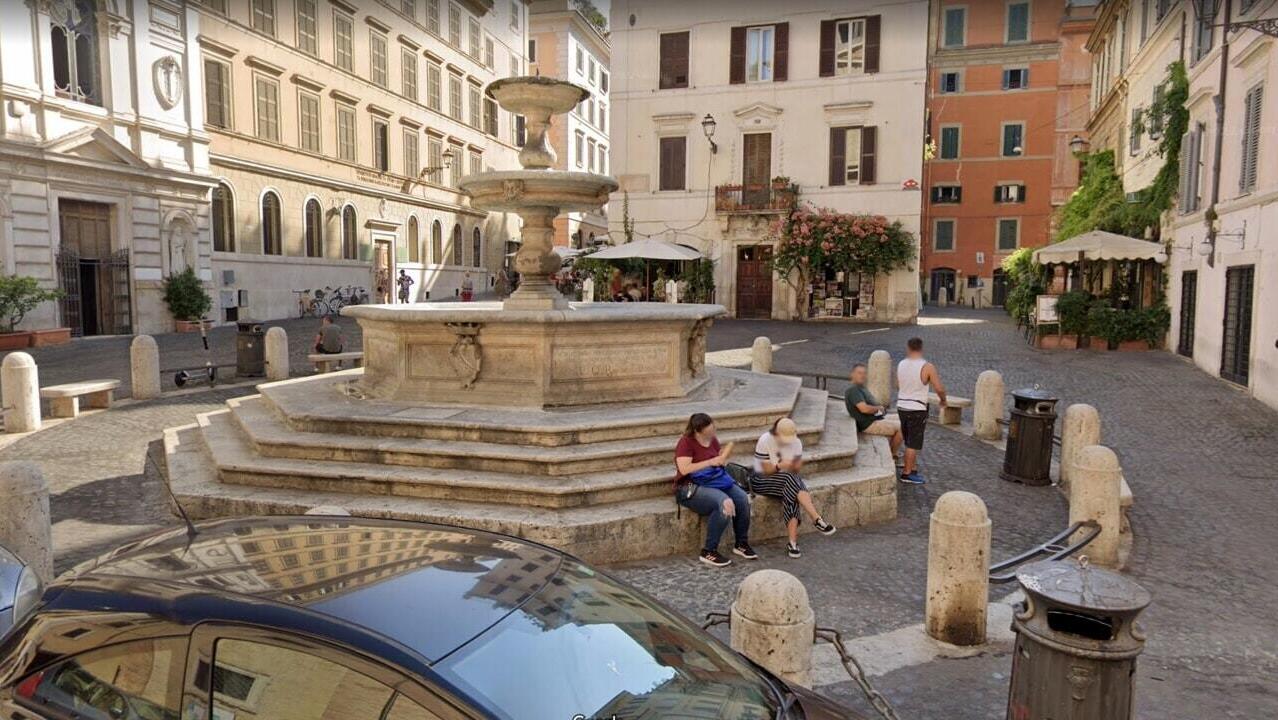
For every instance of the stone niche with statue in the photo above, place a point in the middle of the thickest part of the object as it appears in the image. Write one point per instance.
(550, 420)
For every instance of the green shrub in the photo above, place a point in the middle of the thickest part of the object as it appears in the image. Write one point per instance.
(699, 275)
(1025, 282)
(20, 295)
(1072, 309)
(186, 297)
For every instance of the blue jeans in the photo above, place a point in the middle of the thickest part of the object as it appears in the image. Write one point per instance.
(708, 503)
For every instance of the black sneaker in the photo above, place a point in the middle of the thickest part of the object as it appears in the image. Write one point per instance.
(714, 559)
(824, 527)
(793, 550)
(745, 551)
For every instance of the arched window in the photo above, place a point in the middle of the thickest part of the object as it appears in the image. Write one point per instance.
(437, 243)
(477, 249)
(350, 242)
(313, 228)
(271, 224)
(414, 242)
(457, 246)
(223, 218)
(74, 36)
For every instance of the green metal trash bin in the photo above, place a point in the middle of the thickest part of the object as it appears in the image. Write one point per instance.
(1076, 643)
(1028, 458)
(250, 349)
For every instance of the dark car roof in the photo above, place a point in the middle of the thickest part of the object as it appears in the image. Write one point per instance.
(431, 588)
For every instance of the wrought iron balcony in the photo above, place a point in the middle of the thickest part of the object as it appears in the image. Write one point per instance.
(775, 197)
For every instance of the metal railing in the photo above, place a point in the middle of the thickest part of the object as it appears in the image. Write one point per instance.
(769, 198)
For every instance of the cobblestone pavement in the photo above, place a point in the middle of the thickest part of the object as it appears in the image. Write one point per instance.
(1199, 455)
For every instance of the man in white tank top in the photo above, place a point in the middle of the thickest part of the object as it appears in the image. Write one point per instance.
(914, 377)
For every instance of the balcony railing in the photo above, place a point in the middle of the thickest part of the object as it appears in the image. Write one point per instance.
(774, 197)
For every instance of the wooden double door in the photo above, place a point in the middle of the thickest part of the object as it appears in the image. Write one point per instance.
(754, 281)
(93, 277)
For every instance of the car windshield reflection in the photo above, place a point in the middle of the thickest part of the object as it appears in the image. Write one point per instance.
(615, 654)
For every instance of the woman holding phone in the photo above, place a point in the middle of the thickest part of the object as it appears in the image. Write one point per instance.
(778, 458)
(704, 487)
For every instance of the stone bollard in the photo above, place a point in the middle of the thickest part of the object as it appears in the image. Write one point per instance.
(1080, 428)
(879, 376)
(25, 525)
(958, 567)
(1093, 495)
(20, 393)
(276, 354)
(942, 297)
(773, 624)
(144, 361)
(761, 355)
(987, 406)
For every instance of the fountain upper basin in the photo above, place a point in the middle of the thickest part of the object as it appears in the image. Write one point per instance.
(515, 190)
(536, 95)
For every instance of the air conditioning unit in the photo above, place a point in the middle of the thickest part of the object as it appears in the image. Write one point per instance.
(228, 277)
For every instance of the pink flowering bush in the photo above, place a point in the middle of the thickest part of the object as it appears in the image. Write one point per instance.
(811, 238)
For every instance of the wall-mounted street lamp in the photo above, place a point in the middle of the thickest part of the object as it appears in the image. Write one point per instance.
(425, 172)
(1078, 145)
(707, 126)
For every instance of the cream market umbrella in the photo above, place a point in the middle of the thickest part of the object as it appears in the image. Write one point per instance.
(648, 249)
(1100, 245)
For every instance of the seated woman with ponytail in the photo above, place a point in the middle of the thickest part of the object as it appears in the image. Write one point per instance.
(703, 486)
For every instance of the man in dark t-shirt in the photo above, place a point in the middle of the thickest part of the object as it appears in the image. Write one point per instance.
(870, 417)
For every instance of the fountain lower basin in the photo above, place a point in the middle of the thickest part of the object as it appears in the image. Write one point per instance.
(484, 354)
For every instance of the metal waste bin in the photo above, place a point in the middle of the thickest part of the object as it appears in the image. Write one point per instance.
(250, 349)
(1028, 458)
(1076, 643)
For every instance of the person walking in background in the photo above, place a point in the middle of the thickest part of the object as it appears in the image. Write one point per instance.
(914, 376)
(703, 486)
(778, 458)
(467, 288)
(404, 282)
(870, 416)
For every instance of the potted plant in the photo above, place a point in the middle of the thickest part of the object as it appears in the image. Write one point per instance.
(20, 295)
(1099, 322)
(187, 300)
(1071, 309)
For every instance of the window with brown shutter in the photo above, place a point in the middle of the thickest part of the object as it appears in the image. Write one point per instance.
(869, 144)
(838, 154)
(674, 60)
(737, 56)
(781, 62)
(849, 46)
(673, 164)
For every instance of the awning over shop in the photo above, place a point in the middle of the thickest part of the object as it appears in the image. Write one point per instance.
(1100, 245)
(647, 249)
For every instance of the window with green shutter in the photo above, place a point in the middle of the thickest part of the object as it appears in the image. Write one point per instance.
(1251, 138)
(1009, 232)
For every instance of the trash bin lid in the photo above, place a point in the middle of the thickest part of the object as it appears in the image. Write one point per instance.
(247, 323)
(1074, 584)
(1034, 393)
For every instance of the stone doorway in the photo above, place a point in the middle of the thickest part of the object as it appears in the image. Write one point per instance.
(93, 277)
(754, 281)
(383, 269)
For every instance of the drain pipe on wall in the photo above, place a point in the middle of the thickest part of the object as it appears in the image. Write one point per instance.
(1219, 102)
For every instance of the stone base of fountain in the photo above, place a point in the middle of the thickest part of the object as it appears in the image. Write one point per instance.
(592, 479)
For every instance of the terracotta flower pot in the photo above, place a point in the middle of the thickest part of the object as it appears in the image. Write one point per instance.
(15, 340)
(189, 326)
(1097, 343)
(1068, 342)
(1133, 346)
(51, 336)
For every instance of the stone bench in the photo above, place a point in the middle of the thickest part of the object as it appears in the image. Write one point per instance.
(64, 400)
(326, 361)
(952, 413)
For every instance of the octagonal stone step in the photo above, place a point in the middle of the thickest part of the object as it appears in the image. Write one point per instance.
(238, 463)
(331, 404)
(271, 437)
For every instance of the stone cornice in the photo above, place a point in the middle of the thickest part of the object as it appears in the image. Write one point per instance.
(216, 47)
(266, 66)
(995, 54)
(300, 79)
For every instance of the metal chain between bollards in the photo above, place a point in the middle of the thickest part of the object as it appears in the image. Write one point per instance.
(850, 663)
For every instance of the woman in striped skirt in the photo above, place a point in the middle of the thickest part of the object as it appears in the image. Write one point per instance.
(778, 458)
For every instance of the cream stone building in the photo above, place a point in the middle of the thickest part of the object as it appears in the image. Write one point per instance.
(563, 43)
(339, 130)
(103, 161)
(1220, 309)
(826, 95)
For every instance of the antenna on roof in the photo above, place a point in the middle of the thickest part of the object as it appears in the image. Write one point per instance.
(191, 532)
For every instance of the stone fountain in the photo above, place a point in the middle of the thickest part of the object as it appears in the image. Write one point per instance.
(539, 417)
